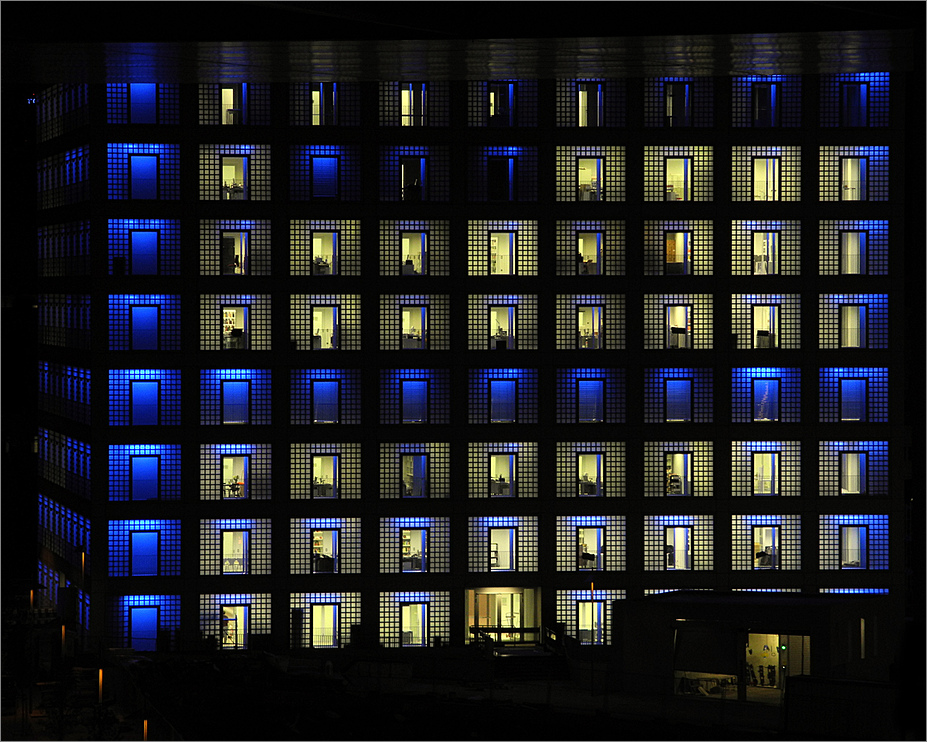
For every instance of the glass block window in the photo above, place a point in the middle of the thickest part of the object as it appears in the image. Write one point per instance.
(481, 548)
(853, 247)
(64, 249)
(766, 101)
(785, 552)
(604, 464)
(603, 388)
(678, 321)
(323, 620)
(502, 321)
(252, 612)
(678, 469)
(312, 388)
(415, 322)
(863, 326)
(765, 248)
(220, 463)
(234, 104)
(502, 103)
(224, 240)
(415, 173)
(414, 247)
(679, 247)
(503, 470)
(64, 390)
(394, 550)
(865, 547)
(64, 461)
(766, 394)
(325, 321)
(415, 103)
(586, 614)
(688, 169)
(124, 401)
(61, 108)
(603, 536)
(415, 619)
(766, 173)
(766, 321)
(855, 99)
(213, 392)
(165, 560)
(591, 173)
(157, 478)
(306, 543)
(754, 474)
(235, 321)
(64, 320)
(167, 170)
(415, 395)
(64, 178)
(325, 103)
(853, 395)
(62, 531)
(692, 106)
(144, 322)
(502, 248)
(305, 236)
(325, 470)
(144, 247)
(142, 103)
(853, 468)
(590, 322)
(252, 171)
(483, 405)
(700, 542)
(259, 544)
(124, 629)
(590, 248)
(325, 172)
(402, 465)
(591, 103)
(662, 388)
(502, 174)
(849, 173)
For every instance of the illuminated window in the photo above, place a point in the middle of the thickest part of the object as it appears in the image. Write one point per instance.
(234, 328)
(414, 253)
(678, 257)
(233, 98)
(589, 104)
(144, 552)
(589, 328)
(503, 402)
(766, 472)
(414, 401)
(502, 475)
(853, 393)
(414, 475)
(324, 103)
(590, 474)
(325, 401)
(765, 253)
(502, 545)
(414, 320)
(323, 176)
(413, 171)
(765, 547)
(143, 103)
(677, 101)
(413, 624)
(677, 467)
(502, 328)
(765, 325)
(236, 402)
(765, 400)
(589, 253)
(235, 470)
(853, 252)
(852, 328)
(677, 400)
(143, 176)
(677, 178)
(234, 626)
(144, 400)
(144, 251)
(590, 548)
(854, 104)
(766, 103)
(766, 179)
(412, 97)
(324, 327)
(590, 621)
(145, 476)
(589, 178)
(324, 477)
(323, 625)
(853, 473)
(679, 326)
(677, 547)
(143, 628)
(325, 253)
(235, 552)
(324, 550)
(414, 543)
(144, 326)
(853, 177)
(590, 400)
(502, 254)
(234, 256)
(502, 103)
(854, 547)
(234, 178)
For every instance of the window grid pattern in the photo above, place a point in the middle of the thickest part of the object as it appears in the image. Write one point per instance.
(613, 245)
(876, 244)
(526, 393)
(259, 544)
(259, 608)
(614, 455)
(436, 185)
(348, 174)
(876, 325)
(613, 169)
(742, 186)
(211, 394)
(701, 320)
(120, 470)
(63, 531)
(349, 469)
(877, 545)
(259, 245)
(120, 325)
(743, 548)
(438, 474)
(64, 178)
(257, 104)
(118, 619)
(526, 246)
(64, 320)
(257, 185)
(64, 249)
(348, 105)
(789, 246)
(438, 336)
(438, 245)
(119, 549)
(526, 541)
(702, 537)
(439, 394)
(612, 331)
(702, 96)
(702, 187)
(348, 321)
(301, 394)
(567, 610)
(48, 581)
(117, 103)
(61, 108)
(876, 401)
(788, 94)
(349, 543)
(877, 466)
(438, 557)
(64, 390)
(117, 162)
(767, 589)
(742, 402)
(64, 461)
(526, 319)
(348, 615)
(788, 476)
(702, 466)
(878, 97)
(876, 188)
(436, 107)
(259, 469)
(615, 542)
(614, 102)
(439, 616)
(525, 479)
(525, 183)
(526, 102)
(788, 332)
(701, 397)
(168, 230)
(259, 319)
(349, 244)
(702, 249)
(120, 384)
(615, 393)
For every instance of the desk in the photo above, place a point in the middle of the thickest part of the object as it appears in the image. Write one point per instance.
(500, 341)
(322, 490)
(587, 489)
(412, 564)
(322, 563)
(235, 491)
(320, 268)
(413, 341)
(500, 489)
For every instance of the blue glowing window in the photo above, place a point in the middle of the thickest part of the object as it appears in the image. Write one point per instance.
(590, 400)
(853, 399)
(144, 548)
(324, 175)
(325, 401)
(145, 476)
(143, 252)
(765, 400)
(766, 106)
(236, 408)
(502, 400)
(854, 104)
(143, 628)
(143, 176)
(143, 103)
(143, 400)
(144, 323)
(414, 401)
(677, 398)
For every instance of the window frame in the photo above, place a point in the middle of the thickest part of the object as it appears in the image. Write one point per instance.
(132, 406)
(754, 403)
(336, 638)
(862, 466)
(687, 482)
(687, 178)
(244, 342)
(240, 253)
(777, 244)
(690, 554)
(335, 484)
(424, 618)
(408, 341)
(600, 614)
(336, 329)
(776, 556)
(862, 537)
(156, 331)
(512, 538)
(132, 477)
(580, 402)
(335, 557)
(580, 541)
(155, 103)
(228, 192)
(132, 177)
(843, 255)
(688, 333)
(864, 401)
(512, 252)
(688, 242)
(690, 401)
(774, 479)
(595, 340)
(773, 118)
(239, 103)
(314, 401)
(419, 102)
(773, 334)
(316, 188)
(583, 111)
(512, 481)
(863, 180)
(671, 117)
(328, 109)
(240, 631)
(403, 486)
(776, 194)
(318, 265)
(598, 485)
(406, 261)
(862, 317)
(232, 486)
(425, 541)
(582, 265)
(132, 251)
(226, 562)
(596, 190)
(506, 338)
